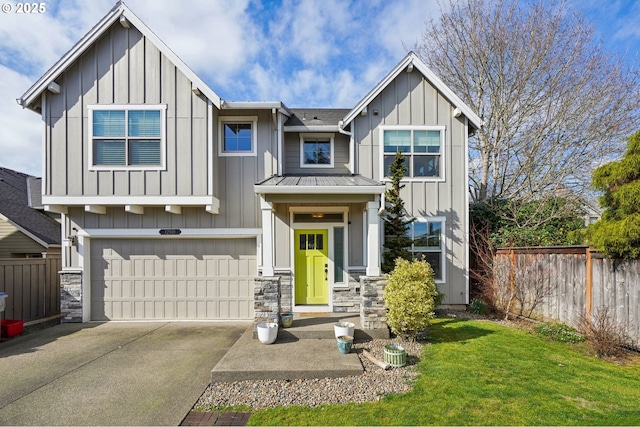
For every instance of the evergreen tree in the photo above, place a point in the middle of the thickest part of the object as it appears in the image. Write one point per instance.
(396, 225)
(617, 233)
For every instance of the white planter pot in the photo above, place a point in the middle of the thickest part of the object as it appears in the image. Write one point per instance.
(267, 332)
(343, 328)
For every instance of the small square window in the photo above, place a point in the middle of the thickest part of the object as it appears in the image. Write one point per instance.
(237, 135)
(316, 151)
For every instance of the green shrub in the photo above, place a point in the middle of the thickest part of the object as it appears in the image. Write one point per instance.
(477, 306)
(411, 296)
(559, 332)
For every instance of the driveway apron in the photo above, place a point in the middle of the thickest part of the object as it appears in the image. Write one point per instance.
(110, 373)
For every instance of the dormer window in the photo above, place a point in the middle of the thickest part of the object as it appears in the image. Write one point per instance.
(127, 137)
(316, 151)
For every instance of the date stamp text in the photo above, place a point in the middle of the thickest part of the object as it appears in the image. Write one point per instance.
(24, 8)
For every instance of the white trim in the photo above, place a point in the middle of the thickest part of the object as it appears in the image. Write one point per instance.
(280, 146)
(210, 150)
(255, 105)
(252, 120)
(309, 136)
(268, 244)
(311, 189)
(323, 128)
(43, 139)
(443, 149)
(134, 233)
(466, 210)
(412, 58)
(126, 108)
(63, 201)
(84, 260)
(374, 241)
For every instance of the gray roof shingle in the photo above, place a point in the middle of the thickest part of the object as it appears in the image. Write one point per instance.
(14, 204)
(316, 116)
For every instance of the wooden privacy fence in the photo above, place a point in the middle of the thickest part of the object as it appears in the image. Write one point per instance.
(570, 282)
(32, 286)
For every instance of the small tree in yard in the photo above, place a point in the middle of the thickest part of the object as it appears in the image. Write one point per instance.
(396, 226)
(411, 297)
(617, 234)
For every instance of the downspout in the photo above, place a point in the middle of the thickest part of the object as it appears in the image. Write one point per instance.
(351, 146)
(279, 138)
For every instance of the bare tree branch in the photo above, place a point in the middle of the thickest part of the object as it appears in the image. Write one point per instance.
(554, 103)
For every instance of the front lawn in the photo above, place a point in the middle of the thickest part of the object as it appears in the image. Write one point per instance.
(481, 373)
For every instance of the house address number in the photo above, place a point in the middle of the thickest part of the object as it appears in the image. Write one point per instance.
(170, 231)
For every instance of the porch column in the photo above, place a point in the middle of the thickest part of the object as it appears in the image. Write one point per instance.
(267, 237)
(373, 238)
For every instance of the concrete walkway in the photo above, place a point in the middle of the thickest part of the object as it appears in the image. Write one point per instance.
(110, 373)
(306, 350)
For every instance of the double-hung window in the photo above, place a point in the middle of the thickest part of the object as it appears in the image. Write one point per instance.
(428, 243)
(127, 137)
(237, 135)
(316, 151)
(422, 146)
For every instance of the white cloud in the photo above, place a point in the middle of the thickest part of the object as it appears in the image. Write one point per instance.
(20, 130)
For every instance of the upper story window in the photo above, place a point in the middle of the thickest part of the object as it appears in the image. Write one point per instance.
(237, 135)
(316, 150)
(428, 243)
(423, 147)
(127, 136)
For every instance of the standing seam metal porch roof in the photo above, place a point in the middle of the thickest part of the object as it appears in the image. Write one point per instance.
(319, 184)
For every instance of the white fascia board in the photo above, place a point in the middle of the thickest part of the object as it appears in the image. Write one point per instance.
(255, 105)
(299, 189)
(132, 233)
(412, 58)
(312, 129)
(93, 35)
(64, 201)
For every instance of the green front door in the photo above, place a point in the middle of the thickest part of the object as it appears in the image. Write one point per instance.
(311, 266)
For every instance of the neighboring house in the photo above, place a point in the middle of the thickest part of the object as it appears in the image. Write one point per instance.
(175, 203)
(25, 230)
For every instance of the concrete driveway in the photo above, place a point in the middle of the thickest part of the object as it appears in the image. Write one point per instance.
(110, 373)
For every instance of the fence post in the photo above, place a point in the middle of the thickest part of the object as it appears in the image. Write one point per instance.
(589, 283)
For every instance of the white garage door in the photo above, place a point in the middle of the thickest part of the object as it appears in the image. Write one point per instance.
(141, 279)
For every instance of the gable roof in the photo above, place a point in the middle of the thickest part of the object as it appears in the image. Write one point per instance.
(14, 208)
(122, 13)
(412, 59)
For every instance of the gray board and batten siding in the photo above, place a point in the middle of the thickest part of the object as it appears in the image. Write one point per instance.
(411, 100)
(124, 67)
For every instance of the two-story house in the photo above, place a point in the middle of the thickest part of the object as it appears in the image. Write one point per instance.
(175, 201)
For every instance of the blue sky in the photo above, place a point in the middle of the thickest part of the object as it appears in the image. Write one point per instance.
(306, 53)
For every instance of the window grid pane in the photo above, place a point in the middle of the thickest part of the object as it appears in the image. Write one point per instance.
(109, 152)
(338, 251)
(144, 123)
(144, 152)
(396, 140)
(317, 153)
(237, 137)
(108, 123)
